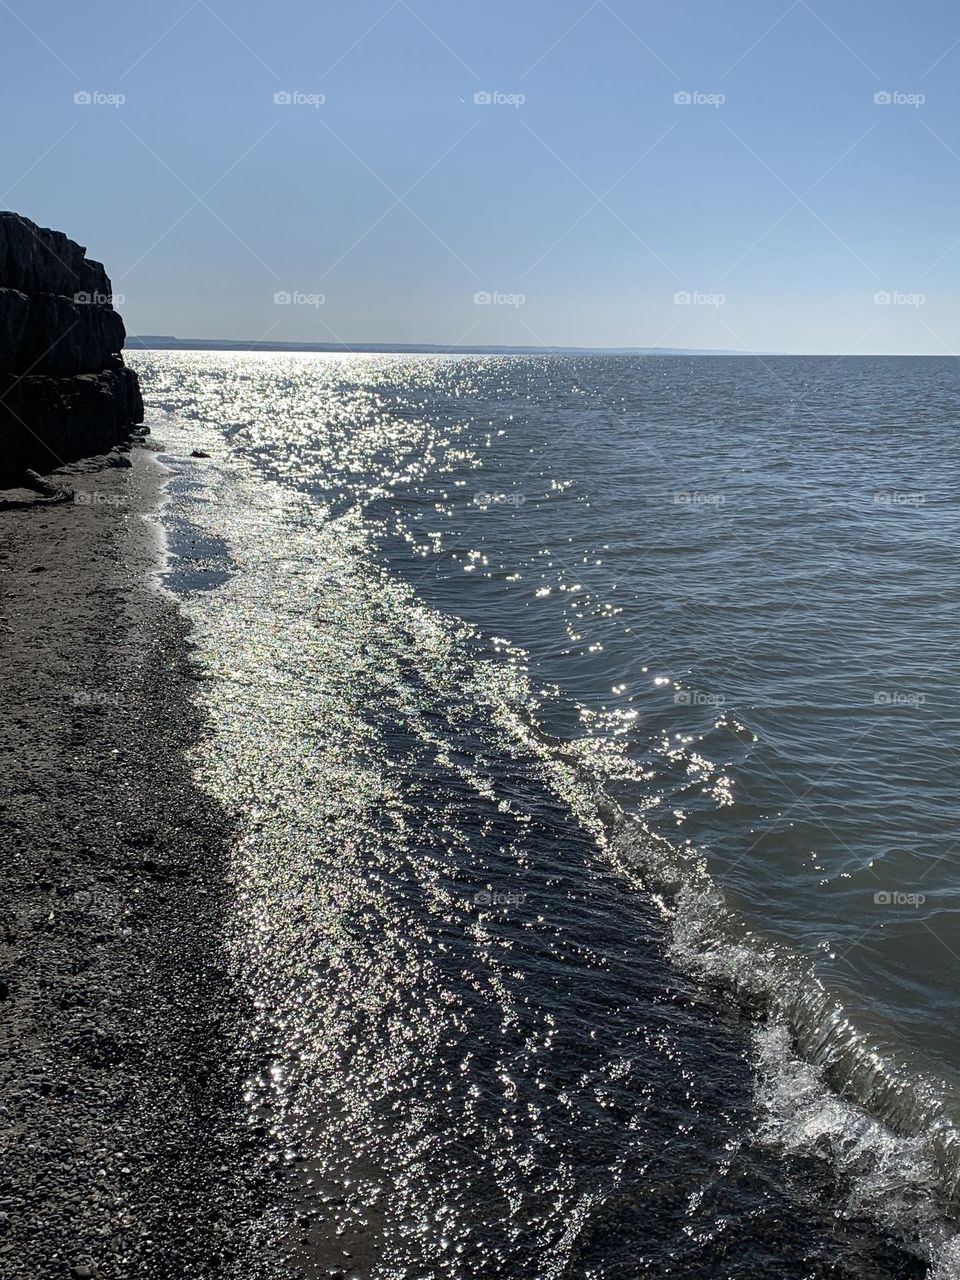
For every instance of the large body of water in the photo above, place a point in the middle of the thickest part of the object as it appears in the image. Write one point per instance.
(592, 727)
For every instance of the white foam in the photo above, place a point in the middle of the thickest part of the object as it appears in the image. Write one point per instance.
(890, 1178)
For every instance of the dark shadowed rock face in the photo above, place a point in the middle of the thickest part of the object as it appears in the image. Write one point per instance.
(64, 390)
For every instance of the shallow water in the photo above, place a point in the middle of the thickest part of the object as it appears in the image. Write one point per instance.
(493, 628)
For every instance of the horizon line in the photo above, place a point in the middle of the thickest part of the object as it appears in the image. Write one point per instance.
(169, 342)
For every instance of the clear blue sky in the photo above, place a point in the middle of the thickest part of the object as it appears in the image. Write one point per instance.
(598, 199)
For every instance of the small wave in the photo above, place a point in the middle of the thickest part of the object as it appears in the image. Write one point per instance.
(827, 1089)
(892, 1178)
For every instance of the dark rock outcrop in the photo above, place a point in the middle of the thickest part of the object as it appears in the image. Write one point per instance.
(64, 390)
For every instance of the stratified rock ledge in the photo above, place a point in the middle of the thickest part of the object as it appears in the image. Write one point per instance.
(65, 392)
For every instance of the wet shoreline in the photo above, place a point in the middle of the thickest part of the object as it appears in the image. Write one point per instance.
(120, 1077)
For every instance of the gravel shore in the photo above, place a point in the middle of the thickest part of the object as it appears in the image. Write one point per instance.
(124, 1151)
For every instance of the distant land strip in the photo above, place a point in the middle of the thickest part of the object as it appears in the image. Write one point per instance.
(162, 342)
